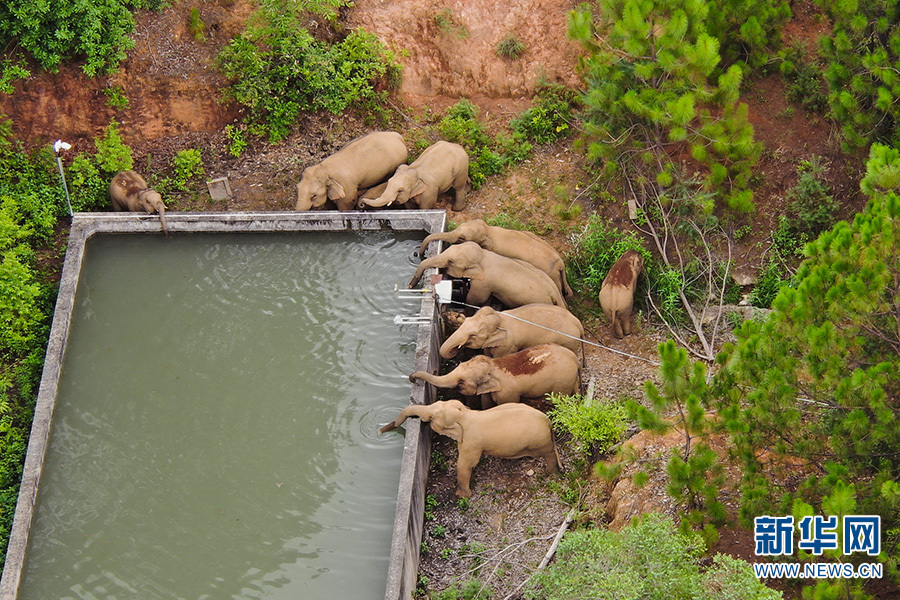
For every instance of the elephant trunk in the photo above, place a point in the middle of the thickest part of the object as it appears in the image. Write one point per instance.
(446, 236)
(409, 411)
(388, 197)
(162, 219)
(434, 261)
(450, 380)
(451, 346)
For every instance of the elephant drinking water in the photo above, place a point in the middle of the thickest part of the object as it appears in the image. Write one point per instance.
(530, 373)
(512, 282)
(505, 431)
(129, 192)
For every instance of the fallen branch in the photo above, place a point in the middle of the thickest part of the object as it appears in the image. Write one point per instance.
(550, 552)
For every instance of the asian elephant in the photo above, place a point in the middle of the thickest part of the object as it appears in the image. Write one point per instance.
(129, 192)
(363, 163)
(529, 373)
(505, 431)
(503, 333)
(442, 166)
(512, 243)
(617, 291)
(512, 282)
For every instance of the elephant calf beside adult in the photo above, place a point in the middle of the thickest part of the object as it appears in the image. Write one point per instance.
(501, 333)
(511, 243)
(512, 282)
(363, 163)
(505, 431)
(129, 192)
(442, 166)
(530, 373)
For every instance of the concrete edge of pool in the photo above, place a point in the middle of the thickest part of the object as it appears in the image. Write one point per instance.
(408, 520)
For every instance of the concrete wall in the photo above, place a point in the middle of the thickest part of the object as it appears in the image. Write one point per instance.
(409, 517)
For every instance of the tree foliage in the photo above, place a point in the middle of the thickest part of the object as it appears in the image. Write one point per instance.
(278, 69)
(863, 72)
(819, 379)
(98, 31)
(655, 89)
(649, 560)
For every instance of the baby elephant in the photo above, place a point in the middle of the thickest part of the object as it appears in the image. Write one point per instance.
(129, 192)
(617, 291)
(441, 166)
(529, 373)
(508, 331)
(505, 431)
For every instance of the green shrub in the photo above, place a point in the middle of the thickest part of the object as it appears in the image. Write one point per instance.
(115, 97)
(510, 47)
(277, 69)
(196, 26)
(806, 83)
(461, 125)
(593, 425)
(237, 142)
(188, 166)
(650, 560)
(550, 116)
(594, 250)
(811, 207)
(113, 155)
(31, 202)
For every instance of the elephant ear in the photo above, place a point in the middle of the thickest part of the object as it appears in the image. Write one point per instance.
(335, 190)
(489, 384)
(446, 422)
(419, 188)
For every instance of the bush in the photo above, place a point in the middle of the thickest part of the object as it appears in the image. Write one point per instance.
(650, 560)
(593, 425)
(550, 116)
(593, 252)
(31, 202)
(811, 208)
(510, 47)
(277, 69)
(188, 165)
(98, 31)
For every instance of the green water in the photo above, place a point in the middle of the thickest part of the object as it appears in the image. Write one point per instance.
(215, 433)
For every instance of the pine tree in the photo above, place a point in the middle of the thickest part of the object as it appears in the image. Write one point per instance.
(820, 379)
(863, 72)
(650, 74)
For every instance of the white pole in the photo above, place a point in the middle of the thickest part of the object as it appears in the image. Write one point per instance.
(61, 145)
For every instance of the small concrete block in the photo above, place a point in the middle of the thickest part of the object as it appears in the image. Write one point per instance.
(219, 189)
(632, 209)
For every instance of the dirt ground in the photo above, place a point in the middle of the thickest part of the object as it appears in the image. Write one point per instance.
(447, 48)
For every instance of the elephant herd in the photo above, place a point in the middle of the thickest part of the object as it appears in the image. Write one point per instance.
(529, 349)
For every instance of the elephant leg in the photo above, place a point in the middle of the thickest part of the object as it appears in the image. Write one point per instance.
(487, 401)
(626, 323)
(459, 198)
(467, 461)
(552, 460)
(617, 326)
